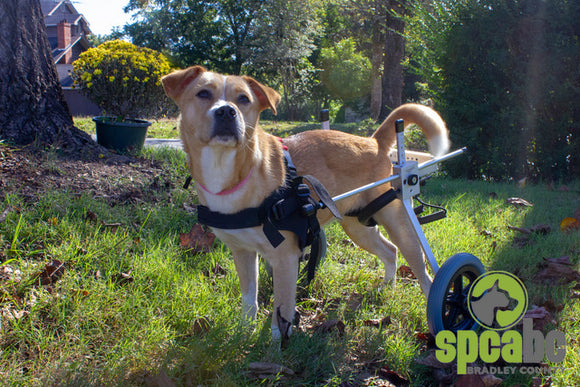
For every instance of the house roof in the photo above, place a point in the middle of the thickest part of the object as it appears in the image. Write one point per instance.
(55, 11)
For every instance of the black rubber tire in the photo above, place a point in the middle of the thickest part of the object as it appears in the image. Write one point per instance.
(447, 303)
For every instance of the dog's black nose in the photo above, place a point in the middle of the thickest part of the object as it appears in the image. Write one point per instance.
(225, 113)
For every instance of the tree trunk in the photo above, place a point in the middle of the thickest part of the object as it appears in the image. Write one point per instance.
(376, 61)
(392, 83)
(32, 104)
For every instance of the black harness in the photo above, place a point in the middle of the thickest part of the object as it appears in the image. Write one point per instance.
(291, 208)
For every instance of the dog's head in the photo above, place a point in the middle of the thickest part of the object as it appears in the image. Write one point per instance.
(220, 110)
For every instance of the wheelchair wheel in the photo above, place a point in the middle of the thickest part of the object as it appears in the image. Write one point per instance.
(447, 303)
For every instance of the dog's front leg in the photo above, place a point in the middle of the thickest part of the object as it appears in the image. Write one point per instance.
(247, 267)
(285, 271)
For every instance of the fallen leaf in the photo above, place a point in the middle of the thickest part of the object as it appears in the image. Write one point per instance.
(90, 215)
(557, 271)
(8, 273)
(522, 241)
(490, 380)
(393, 377)
(378, 323)
(493, 246)
(4, 214)
(123, 278)
(52, 272)
(197, 240)
(432, 361)
(537, 382)
(329, 325)
(425, 336)
(354, 301)
(552, 307)
(270, 368)
(486, 234)
(540, 317)
(519, 202)
(569, 224)
(200, 326)
(469, 381)
(536, 229)
(405, 272)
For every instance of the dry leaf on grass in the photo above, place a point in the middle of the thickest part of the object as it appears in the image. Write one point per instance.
(569, 224)
(393, 377)
(123, 278)
(330, 325)
(198, 240)
(519, 202)
(378, 323)
(405, 272)
(487, 380)
(557, 271)
(543, 229)
(540, 316)
(52, 272)
(265, 368)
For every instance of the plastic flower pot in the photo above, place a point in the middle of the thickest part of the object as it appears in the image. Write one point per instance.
(123, 136)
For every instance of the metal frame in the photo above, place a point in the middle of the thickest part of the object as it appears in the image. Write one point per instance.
(408, 173)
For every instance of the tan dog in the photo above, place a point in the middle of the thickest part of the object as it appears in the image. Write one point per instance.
(236, 165)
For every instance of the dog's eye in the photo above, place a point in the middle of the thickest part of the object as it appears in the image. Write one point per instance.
(243, 99)
(204, 94)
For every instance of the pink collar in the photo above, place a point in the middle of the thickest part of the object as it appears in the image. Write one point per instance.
(231, 190)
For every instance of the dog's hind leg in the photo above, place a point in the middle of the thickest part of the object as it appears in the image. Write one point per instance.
(247, 267)
(370, 239)
(396, 222)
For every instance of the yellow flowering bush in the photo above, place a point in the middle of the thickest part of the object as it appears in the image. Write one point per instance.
(123, 79)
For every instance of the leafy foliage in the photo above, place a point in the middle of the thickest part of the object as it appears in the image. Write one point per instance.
(123, 79)
(503, 74)
(347, 73)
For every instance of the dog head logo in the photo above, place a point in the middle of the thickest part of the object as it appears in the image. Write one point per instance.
(497, 300)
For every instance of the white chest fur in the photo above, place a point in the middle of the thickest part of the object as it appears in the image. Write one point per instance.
(218, 166)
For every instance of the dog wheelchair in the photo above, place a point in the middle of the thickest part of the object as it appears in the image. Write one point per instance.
(447, 307)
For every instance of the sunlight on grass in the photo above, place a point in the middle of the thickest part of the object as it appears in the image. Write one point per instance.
(133, 303)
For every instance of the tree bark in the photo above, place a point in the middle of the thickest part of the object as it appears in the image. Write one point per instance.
(392, 82)
(32, 104)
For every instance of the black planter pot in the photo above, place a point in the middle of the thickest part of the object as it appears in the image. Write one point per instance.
(124, 136)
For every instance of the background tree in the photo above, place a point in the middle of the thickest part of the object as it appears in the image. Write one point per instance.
(285, 34)
(32, 104)
(505, 76)
(211, 33)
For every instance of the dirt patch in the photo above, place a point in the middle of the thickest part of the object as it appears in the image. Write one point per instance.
(29, 172)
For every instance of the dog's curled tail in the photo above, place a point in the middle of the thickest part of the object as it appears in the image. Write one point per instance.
(426, 118)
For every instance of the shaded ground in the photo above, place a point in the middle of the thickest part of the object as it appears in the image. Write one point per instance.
(28, 172)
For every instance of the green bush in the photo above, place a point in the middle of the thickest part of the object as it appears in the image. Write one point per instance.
(123, 79)
(346, 72)
(505, 76)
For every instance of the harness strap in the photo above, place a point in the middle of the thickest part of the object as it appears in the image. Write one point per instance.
(365, 214)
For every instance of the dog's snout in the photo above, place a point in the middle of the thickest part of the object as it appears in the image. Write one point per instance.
(226, 113)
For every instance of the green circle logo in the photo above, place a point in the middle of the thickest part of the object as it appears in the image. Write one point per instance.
(497, 300)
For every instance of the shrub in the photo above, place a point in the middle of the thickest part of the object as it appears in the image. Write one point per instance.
(123, 79)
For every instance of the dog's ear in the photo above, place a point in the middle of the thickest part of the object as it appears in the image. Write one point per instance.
(268, 97)
(175, 83)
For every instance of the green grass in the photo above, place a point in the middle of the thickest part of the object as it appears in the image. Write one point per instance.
(91, 327)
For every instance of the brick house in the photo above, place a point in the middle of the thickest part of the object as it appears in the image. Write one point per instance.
(67, 32)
